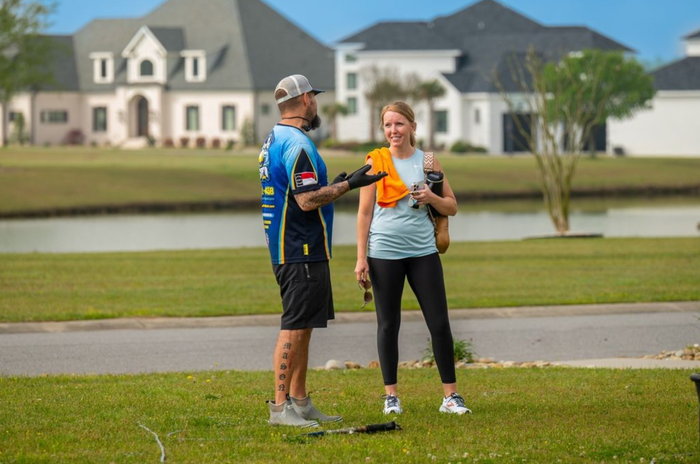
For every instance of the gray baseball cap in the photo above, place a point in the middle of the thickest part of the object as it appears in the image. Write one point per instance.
(295, 85)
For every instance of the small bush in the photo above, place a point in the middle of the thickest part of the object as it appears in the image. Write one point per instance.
(466, 147)
(184, 142)
(463, 351)
(74, 137)
(168, 142)
(230, 143)
(216, 143)
(201, 142)
(151, 141)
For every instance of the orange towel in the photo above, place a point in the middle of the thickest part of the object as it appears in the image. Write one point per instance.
(391, 188)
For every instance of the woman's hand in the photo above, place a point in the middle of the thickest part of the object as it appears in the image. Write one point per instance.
(362, 270)
(425, 196)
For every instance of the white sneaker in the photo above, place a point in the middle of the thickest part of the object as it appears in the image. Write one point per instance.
(454, 404)
(392, 405)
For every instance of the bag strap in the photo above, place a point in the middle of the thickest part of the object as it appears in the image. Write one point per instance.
(428, 162)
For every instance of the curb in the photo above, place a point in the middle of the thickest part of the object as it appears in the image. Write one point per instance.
(273, 320)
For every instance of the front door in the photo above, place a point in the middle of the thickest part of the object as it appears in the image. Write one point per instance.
(142, 124)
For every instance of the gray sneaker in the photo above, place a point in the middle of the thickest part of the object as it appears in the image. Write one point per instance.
(285, 414)
(310, 412)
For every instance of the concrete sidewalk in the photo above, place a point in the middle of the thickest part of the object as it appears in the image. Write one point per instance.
(631, 363)
(273, 320)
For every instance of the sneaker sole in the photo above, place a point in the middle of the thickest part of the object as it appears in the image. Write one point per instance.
(447, 411)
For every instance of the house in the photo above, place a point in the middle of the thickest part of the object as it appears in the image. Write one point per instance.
(461, 51)
(190, 69)
(672, 126)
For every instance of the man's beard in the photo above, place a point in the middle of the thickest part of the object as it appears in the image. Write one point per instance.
(314, 122)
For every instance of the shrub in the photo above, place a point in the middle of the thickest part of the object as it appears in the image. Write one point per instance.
(216, 143)
(184, 142)
(248, 133)
(201, 142)
(151, 141)
(463, 351)
(74, 137)
(466, 147)
(168, 142)
(230, 143)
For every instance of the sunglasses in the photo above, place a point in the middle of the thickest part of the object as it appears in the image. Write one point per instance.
(365, 285)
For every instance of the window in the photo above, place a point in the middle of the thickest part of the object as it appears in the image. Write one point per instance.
(228, 118)
(103, 67)
(441, 121)
(99, 119)
(146, 68)
(350, 58)
(12, 116)
(477, 116)
(352, 81)
(54, 117)
(352, 105)
(265, 109)
(192, 118)
(195, 67)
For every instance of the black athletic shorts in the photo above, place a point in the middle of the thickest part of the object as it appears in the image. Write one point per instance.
(307, 297)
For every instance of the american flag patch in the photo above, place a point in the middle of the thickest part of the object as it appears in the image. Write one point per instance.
(305, 178)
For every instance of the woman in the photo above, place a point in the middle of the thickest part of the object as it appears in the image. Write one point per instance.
(395, 241)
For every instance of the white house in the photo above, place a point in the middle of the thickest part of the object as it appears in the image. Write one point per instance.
(461, 51)
(189, 69)
(672, 126)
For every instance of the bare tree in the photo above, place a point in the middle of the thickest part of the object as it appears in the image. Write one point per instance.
(562, 104)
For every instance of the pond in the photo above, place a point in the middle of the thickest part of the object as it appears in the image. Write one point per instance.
(485, 221)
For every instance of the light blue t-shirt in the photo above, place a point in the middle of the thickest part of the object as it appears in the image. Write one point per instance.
(403, 232)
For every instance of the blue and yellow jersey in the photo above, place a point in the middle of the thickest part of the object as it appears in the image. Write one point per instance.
(290, 164)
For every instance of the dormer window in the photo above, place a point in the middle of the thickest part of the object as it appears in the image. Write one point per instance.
(195, 65)
(103, 67)
(146, 69)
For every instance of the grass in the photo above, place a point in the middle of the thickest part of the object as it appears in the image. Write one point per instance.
(48, 178)
(520, 415)
(41, 287)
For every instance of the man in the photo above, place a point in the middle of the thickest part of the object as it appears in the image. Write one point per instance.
(298, 218)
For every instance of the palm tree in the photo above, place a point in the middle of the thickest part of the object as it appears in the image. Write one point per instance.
(429, 91)
(383, 86)
(332, 111)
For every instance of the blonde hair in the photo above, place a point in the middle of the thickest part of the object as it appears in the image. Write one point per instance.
(404, 110)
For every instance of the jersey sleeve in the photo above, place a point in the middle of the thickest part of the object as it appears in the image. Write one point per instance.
(302, 169)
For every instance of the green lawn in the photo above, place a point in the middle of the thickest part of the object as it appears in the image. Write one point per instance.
(39, 287)
(520, 415)
(48, 178)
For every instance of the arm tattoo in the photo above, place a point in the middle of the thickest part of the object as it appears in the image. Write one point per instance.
(309, 201)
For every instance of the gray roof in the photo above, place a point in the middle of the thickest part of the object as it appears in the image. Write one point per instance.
(248, 46)
(487, 34)
(681, 75)
(172, 38)
(401, 36)
(693, 35)
(61, 64)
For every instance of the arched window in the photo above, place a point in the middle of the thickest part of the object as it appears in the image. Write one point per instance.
(146, 68)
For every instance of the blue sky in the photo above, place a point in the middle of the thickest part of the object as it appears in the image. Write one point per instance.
(652, 27)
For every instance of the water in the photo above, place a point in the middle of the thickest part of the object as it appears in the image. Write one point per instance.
(484, 222)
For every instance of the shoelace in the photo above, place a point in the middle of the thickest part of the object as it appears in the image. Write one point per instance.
(391, 400)
(458, 399)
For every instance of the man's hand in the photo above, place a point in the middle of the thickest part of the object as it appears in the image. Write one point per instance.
(360, 178)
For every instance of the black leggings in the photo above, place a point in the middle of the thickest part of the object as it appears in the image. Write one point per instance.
(426, 279)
